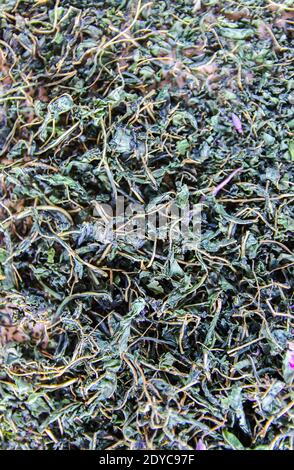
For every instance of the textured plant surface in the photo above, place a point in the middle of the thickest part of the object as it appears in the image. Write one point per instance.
(121, 345)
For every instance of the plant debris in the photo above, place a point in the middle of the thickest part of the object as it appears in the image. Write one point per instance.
(118, 343)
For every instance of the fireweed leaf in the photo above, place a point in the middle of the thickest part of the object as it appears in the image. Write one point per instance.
(232, 440)
(123, 141)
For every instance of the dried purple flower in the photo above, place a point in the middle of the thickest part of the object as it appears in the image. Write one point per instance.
(200, 445)
(237, 123)
(226, 181)
(291, 360)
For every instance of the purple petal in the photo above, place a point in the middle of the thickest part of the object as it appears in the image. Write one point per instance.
(201, 445)
(226, 181)
(237, 123)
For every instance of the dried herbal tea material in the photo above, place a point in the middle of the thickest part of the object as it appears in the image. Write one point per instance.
(146, 221)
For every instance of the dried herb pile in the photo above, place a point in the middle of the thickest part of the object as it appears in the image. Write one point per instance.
(124, 345)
